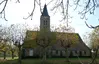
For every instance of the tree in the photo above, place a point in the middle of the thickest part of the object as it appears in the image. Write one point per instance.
(17, 35)
(67, 38)
(94, 43)
(94, 38)
(3, 40)
(44, 40)
(13, 49)
(4, 48)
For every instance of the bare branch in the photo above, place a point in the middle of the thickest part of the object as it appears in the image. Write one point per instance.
(2, 12)
(87, 25)
(57, 5)
(31, 15)
(55, 11)
(40, 6)
(50, 2)
(18, 1)
(4, 6)
(2, 2)
(89, 7)
(77, 3)
(91, 26)
(67, 12)
(5, 17)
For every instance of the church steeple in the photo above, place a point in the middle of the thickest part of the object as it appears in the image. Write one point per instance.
(45, 20)
(45, 12)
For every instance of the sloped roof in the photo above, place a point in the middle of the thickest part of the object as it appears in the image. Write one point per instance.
(30, 41)
(79, 45)
(45, 12)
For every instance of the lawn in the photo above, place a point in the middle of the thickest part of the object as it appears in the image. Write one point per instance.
(48, 61)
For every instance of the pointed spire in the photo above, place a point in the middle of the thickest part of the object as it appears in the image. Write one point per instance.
(45, 12)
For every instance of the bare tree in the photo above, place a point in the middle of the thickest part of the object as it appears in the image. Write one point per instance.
(94, 40)
(17, 35)
(67, 38)
(44, 40)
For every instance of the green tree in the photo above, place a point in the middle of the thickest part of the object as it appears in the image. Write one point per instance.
(13, 50)
(4, 47)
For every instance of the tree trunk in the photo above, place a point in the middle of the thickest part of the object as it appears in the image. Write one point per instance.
(4, 54)
(44, 56)
(19, 54)
(12, 54)
(94, 57)
(67, 57)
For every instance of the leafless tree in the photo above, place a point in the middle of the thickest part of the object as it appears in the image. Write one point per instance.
(44, 40)
(67, 38)
(94, 39)
(17, 35)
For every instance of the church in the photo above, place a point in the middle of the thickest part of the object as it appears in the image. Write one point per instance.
(31, 49)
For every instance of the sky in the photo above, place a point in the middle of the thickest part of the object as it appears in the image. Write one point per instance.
(15, 12)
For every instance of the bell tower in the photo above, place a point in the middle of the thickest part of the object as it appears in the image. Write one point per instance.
(45, 20)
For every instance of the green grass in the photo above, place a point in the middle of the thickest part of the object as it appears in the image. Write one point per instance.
(48, 61)
(9, 58)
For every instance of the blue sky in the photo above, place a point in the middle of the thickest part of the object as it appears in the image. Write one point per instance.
(16, 11)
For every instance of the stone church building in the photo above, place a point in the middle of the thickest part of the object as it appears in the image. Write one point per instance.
(30, 48)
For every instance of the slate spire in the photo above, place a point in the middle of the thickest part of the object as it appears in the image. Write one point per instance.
(45, 12)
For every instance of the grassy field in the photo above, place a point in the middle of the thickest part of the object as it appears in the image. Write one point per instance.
(48, 61)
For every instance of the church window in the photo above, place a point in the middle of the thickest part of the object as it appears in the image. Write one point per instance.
(56, 51)
(84, 52)
(30, 52)
(76, 52)
(45, 27)
(53, 52)
(45, 22)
